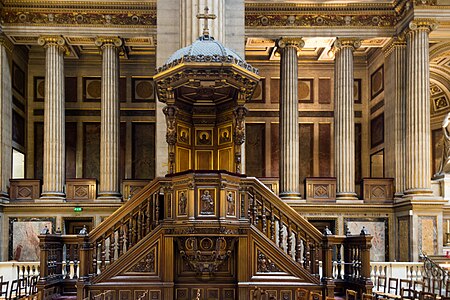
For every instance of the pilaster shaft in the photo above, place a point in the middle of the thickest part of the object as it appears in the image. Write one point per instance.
(6, 119)
(418, 171)
(289, 128)
(344, 124)
(54, 118)
(110, 118)
(395, 95)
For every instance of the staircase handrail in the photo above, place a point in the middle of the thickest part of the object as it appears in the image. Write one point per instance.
(431, 269)
(288, 211)
(125, 209)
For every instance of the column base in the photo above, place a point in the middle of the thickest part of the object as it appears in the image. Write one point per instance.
(4, 197)
(346, 196)
(420, 195)
(52, 197)
(290, 196)
(109, 196)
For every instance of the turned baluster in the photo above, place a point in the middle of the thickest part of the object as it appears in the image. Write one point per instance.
(289, 247)
(339, 261)
(298, 248)
(75, 261)
(250, 209)
(121, 237)
(306, 254)
(103, 253)
(138, 225)
(148, 216)
(157, 210)
(272, 224)
(68, 250)
(143, 223)
(255, 211)
(112, 246)
(280, 231)
(264, 218)
(134, 230)
(94, 258)
(129, 232)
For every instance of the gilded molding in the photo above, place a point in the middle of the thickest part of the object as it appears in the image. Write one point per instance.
(425, 2)
(53, 40)
(426, 24)
(109, 41)
(5, 42)
(37, 18)
(290, 42)
(353, 43)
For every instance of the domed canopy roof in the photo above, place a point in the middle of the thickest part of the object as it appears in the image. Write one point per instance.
(206, 49)
(204, 46)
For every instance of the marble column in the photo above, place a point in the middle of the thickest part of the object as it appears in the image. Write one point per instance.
(344, 124)
(109, 188)
(418, 160)
(289, 126)
(395, 97)
(6, 47)
(54, 119)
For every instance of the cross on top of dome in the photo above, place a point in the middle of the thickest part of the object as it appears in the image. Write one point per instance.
(206, 16)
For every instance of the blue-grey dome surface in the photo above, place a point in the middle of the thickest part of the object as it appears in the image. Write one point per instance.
(204, 46)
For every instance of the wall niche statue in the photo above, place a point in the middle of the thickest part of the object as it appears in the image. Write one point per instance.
(444, 167)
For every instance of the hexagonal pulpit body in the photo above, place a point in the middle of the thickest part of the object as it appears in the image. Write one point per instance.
(205, 86)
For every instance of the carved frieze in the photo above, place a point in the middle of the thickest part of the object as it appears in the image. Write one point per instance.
(204, 255)
(145, 265)
(265, 264)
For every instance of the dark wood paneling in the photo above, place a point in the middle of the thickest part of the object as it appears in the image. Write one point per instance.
(377, 131)
(123, 89)
(255, 150)
(38, 149)
(324, 150)
(324, 90)
(71, 149)
(143, 164)
(358, 161)
(18, 129)
(71, 89)
(91, 153)
(274, 90)
(306, 146)
(275, 149)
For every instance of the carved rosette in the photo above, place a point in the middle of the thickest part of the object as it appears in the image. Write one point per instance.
(204, 255)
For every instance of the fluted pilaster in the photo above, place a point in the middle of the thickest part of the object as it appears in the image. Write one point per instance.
(395, 112)
(6, 48)
(289, 128)
(344, 124)
(418, 170)
(110, 118)
(192, 28)
(54, 118)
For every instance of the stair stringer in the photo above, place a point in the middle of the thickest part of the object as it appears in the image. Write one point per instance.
(289, 269)
(122, 269)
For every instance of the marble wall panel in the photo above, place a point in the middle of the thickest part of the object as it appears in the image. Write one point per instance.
(324, 90)
(403, 239)
(38, 150)
(255, 150)
(378, 229)
(306, 146)
(324, 150)
(428, 235)
(358, 149)
(275, 149)
(71, 149)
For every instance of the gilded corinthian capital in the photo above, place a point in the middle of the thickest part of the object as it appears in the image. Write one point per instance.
(53, 40)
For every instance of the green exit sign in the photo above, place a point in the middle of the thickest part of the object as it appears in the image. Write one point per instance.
(77, 209)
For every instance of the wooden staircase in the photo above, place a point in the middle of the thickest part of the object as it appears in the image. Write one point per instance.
(219, 234)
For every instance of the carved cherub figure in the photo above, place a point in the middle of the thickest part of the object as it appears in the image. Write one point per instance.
(444, 167)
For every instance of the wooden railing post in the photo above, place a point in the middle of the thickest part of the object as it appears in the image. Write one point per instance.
(85, 248)
(366, 244)
(44, 255)
(327, 262)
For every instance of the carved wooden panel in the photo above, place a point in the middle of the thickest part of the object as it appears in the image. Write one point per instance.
(272, 183)
(255, 150)
(378, 189)
(143, 157)
(25, 189)
(320, 189)
(78, 189)
(130, 187)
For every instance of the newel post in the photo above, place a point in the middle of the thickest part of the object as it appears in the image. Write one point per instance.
(85, 253)
(44, 255)
(366, 244)
(327, 262)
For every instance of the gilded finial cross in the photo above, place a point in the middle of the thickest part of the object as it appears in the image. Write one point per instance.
(206, 16)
